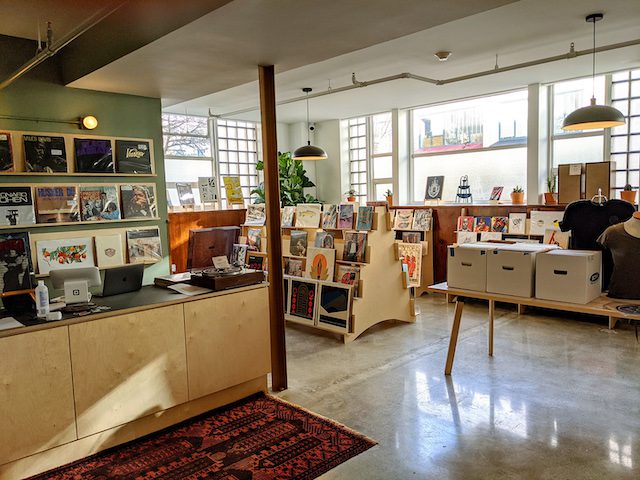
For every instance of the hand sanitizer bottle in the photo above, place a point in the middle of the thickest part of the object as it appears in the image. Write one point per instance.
(42, 299)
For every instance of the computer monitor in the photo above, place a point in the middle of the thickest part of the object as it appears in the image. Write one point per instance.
(206, 243)
(75, 282)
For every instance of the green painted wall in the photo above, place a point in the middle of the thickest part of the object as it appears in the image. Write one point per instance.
(40, 94)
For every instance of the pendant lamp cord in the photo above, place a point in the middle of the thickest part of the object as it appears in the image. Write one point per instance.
(593, 75)
(308, 133)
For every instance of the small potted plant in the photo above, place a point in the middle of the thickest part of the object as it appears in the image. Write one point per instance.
(628, 194)
(388, 195)
(549, 196)
(351, 195)
(517, 195)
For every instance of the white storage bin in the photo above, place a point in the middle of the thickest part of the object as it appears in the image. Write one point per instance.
(573, 276)
(467, 266)
(511, 269)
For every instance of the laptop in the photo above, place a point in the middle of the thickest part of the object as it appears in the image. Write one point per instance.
(125, 279)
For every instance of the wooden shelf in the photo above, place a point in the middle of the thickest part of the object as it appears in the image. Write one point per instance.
(288, 255)
(77, 174)
(347, 262)
(90, 222)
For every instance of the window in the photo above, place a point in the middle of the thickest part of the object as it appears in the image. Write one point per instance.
(578, 146)
(382, 154)
(625, 140)
(484, 138)
(237, 146)
(358, 154)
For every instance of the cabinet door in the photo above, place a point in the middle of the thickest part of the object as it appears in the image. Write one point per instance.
(127, 367)
(227, 340)
(36, 395)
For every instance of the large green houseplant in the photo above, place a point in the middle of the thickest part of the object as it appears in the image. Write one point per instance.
(293, 181)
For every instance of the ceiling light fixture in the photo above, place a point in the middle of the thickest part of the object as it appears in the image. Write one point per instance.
(442, 55)
(308, 151)
(89, 122)
(593, 116)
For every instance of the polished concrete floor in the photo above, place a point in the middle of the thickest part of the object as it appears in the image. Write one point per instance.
(560, 399)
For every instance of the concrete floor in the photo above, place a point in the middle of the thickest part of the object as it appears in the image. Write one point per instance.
(560, 399)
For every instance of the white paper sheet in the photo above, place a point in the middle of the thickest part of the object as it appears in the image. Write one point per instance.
(187, 289)
(9, 322)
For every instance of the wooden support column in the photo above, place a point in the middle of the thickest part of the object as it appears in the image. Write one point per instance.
(274, 237)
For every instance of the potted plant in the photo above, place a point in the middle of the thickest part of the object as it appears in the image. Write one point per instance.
(388, 195)
(517, 195)
(293, 181)
(628, 194)
(351, 195)
(549, 196)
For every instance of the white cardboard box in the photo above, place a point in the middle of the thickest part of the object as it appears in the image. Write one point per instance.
(467, 266)
(511, 269)
(573, 276)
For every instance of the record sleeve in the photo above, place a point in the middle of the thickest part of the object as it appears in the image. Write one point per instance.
(93, 155)
(44, 154)
(133, 156)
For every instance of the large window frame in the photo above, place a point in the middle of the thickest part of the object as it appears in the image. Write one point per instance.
(627, 103)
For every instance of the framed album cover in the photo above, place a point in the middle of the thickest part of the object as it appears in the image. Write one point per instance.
(133, 156)
(15, 262)
(57, 204)
(44, 154)
(16, 206)
(6, 153)
(138, 201)
(93, 155)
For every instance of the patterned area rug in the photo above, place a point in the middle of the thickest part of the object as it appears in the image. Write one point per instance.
(258, 438)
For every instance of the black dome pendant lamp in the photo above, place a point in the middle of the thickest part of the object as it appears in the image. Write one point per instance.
(308, 151)
(593, 116)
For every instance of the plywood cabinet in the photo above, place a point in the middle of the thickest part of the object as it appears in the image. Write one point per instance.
(36, 394)
(227, 341)
(127, 367)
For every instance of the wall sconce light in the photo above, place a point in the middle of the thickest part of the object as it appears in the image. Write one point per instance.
(89, 122)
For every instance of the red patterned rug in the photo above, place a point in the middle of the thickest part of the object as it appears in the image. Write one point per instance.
(259, 438)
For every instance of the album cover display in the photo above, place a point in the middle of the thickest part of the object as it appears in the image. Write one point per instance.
(16, 206)
(57, 204)
(93, 155)
(288, 214)
(365, 218)
(411, 237)
(255, 215)
(345, 216)
(403, 219)
(239, 254)
(330, 216)
(324, 240)
(44, 154)
(233, 190)
(207, 189)
(302, 300)
(334, 307)
(6, 153)
(543, 221)
(490, 236)
(298, 243)
(435, 186)
(422, 219)
(144, 245)
(185, 194)
(15, 262)
(518, 223)
(465, 224)
(320, 263)
(254, 239)
(499, 224)
(99, 203)
(133, 156)
(109, 252)
(411, 256)
(64, 254)
(355, 246)
(293, 266)
(482, 224)
(255, 262)
(349, 275)
(556, 237)
(308, 215)
(138, 201)
(466, 237)
(496, 193)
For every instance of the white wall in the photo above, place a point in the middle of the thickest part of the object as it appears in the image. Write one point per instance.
(330, 174)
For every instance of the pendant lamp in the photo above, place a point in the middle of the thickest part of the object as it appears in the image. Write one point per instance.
(594, 116)
(308, 151)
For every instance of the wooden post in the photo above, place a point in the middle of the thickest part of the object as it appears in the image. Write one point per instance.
(274, 240)
(453, 341)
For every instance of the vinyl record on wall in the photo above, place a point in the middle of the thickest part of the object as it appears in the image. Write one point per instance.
(44, 154)
(93, 155)
(6, 153)
(133, 156)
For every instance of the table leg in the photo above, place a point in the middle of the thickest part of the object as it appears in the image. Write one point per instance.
(492, 307)
(520, 309)
(453, 341)
(612, 322)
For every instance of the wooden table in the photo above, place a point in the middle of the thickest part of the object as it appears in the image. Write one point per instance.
(602, 305)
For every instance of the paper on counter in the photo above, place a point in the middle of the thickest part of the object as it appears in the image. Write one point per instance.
(9, 322)
(187, 289)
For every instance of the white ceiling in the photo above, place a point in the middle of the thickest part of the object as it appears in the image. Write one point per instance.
(518, 32)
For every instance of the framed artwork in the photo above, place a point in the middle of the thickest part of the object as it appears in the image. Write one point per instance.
(518, 223)
(144, 245)
(233, 190)
(133, 156)
(543, 221)
(308, 215)
(435, 185)
(330, 216)
(355, 247)
(44, 154)
(239, 254)
(365, 218)
(466, 237)
(324, 240)
(93, 155)
(334, 306)
(99, 203)
(255, 215)
(345, 216)
(288, 214)
(496, 193)
(57, 204)
(465, 224)
(293, 266)
(411, 256)
(403, 219)
(422, 219)
(302, 300)
(109, 252)
(138, 201)
(64, 254)
(185, 194)
(16, 206)
(499, 224)
(208, 190)
(254, 239)
(6, 153)
(298, 243)
(15, 262)
(349, 275)
(320, 263)
(482, 224)
(556, 237)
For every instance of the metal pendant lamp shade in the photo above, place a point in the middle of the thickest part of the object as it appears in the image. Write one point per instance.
(308, 151)
(593, 116)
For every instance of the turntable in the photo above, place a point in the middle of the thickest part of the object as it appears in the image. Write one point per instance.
(224, 278)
